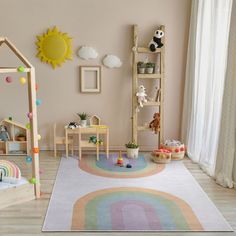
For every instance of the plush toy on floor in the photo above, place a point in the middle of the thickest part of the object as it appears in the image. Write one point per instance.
(141, 95)
(156, 40)
(155, 123)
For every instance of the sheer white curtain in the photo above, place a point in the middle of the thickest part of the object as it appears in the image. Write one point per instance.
(204, 85)
(225, 172)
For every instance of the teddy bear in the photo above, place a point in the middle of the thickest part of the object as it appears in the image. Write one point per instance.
(141, 95)
(155, 123)
(156, 41)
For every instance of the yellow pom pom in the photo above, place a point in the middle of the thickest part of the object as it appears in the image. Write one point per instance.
(22, 80)
(39, 137)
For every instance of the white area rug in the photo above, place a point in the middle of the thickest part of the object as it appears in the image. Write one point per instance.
(170, 200)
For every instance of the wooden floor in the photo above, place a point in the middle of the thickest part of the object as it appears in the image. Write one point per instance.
(27, 219)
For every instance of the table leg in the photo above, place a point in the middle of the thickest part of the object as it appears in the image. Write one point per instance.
(67, 144)
(97, 146)
(107, 143)
(79, 145)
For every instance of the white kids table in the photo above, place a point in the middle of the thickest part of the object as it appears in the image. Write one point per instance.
(95, 130)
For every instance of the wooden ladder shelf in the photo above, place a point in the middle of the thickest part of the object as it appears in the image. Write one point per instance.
(135, 83)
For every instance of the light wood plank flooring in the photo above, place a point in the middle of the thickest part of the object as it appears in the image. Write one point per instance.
(27, 219)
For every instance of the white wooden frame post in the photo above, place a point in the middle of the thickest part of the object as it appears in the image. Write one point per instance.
(29, 69)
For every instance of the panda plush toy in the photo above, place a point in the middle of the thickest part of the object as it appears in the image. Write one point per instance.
(156, 41)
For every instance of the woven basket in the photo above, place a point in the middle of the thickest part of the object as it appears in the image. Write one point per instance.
(161, 156)
(177, 152)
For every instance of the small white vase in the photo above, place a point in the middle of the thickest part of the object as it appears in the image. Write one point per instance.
(83, 123)
(150, 70)
(141, 70)
(132, 153)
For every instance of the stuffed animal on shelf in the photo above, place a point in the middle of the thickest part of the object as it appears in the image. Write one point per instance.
(72, 125)
(141, 95)
(156, 41)
(4, 135)
(155, 123)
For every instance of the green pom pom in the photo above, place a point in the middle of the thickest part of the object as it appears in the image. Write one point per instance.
(21, 69)
(33, 181)
(27, 126)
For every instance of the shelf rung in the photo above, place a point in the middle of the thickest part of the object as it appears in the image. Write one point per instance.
(147, 50)
(149, 76)
(144, 128)
(150, 103)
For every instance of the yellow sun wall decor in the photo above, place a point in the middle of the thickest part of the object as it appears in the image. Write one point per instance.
(54, 47)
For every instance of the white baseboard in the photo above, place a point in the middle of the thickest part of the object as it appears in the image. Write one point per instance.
(112, 148)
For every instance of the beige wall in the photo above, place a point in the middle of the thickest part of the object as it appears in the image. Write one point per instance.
(105, 25)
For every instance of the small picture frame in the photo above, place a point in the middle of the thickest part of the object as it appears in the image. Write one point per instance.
(90, 79)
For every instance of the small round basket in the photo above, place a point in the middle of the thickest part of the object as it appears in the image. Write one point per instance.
(161, 156)
(177, 151)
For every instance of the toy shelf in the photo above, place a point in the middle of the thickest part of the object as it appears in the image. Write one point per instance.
(160, 77)
(14, 146)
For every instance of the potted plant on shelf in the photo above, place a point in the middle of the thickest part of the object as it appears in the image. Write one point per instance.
(83, 119)
(132, 150)
(141, 67)
(150, 68)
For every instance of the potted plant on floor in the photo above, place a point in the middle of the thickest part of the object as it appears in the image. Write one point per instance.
(132, 150)
(141, 67)
(150, 68)
(83, 119)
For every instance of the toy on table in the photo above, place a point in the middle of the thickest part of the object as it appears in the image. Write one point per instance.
(161, 156)
(72, 125)
(4, 135)
(120, 160)
(155, 123)
(176, 148)
(128, 166)
(93, 139)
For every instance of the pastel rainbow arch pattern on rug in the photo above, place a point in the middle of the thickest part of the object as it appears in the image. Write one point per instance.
(133, 209)
(10, 171)
(141, 167)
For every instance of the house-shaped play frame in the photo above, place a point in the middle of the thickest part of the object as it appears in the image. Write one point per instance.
(29, 69)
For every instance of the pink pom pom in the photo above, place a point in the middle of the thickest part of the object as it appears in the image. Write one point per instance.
(8, 79)
(30, 115)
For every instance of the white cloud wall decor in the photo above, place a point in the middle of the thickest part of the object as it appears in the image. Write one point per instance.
(112, 61)
(87, 53)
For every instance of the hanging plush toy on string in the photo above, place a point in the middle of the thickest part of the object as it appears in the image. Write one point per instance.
(141, 96)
